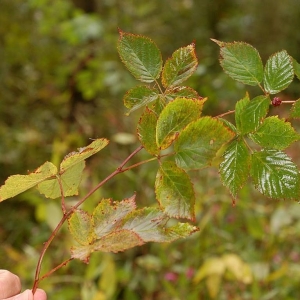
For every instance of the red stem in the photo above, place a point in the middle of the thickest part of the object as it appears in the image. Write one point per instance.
(67, 215)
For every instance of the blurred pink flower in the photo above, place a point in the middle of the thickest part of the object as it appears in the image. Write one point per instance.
(171, 276)
(190, 272)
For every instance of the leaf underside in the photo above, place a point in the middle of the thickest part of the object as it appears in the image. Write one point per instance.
(117, 226)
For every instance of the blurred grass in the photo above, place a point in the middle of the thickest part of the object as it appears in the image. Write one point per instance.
(61, 83)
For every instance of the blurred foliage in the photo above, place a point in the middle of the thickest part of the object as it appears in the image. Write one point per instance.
(62, 82)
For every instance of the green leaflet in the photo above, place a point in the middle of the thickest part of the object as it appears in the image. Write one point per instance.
(199, 142)
(239, 108)
(241, 62)
(278, 73)
(174, 191)
(180, 66)
(295, 110)
(275, 175)
(275, 134)
(138, 97)
(17, 184)
(234, 170)
(175, 117)
(146, 131)
(252, 114)
(296, 66)
(141, 56)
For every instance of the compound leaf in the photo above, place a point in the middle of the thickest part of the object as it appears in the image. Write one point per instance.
(146, 130)
(279, 72)
(199, 142)
(174, 117)
(141, 56)
(275, 175)
(70, 180)
(180, 66)
(241, 62)
(17, 184)
(117, 226)
(234, 169)
(83, 153)
(139, 96)
(253, 113)
(174, 191)
(275, 133)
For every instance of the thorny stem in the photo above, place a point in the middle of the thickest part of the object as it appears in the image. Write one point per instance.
(66, 215)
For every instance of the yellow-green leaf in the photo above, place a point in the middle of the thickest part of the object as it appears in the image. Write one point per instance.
(17, 184)
(70, 180)
(81, 227)
(146, 131)
(180, 66)
(199, 142)
(83, 153)
(117, 241)
(174, 118)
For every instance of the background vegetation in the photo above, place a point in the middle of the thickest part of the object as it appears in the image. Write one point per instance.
(62, 82)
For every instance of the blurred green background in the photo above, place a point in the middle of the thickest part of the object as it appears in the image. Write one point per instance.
(62, 83)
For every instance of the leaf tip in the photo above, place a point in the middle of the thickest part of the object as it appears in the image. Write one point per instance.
(219, 43)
